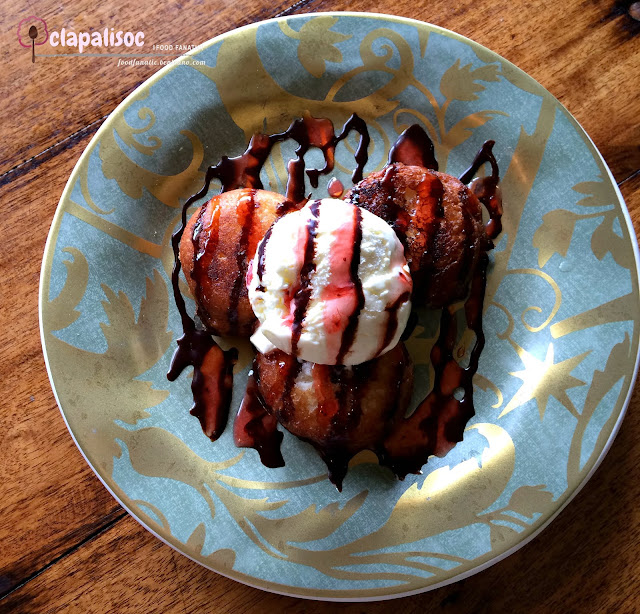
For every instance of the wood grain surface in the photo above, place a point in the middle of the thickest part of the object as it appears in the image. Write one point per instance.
(65, 544)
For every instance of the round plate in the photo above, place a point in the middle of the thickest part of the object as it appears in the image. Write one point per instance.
(561, 311)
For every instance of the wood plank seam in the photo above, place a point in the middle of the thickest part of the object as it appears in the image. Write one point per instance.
(293, 7)
(61, 145)
(630, 177)
(19, 169)
(66, 553)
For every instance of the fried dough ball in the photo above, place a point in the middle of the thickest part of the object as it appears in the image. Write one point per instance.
(217, 246)
(439, 221)
(337, 407)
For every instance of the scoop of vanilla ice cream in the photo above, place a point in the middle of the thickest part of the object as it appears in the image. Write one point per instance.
(330, 284)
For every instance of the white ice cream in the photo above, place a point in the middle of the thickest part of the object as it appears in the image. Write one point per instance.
(337, 326)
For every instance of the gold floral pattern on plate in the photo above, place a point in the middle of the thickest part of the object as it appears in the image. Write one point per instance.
(561, 311)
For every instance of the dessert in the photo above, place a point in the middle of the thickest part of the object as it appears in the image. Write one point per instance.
(340, 410)
(217, 245)
(331, 283)
(438, 219)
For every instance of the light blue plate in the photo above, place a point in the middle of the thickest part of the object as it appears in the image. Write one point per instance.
(561, 316)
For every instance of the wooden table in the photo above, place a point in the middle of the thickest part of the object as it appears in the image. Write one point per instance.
(66, 545)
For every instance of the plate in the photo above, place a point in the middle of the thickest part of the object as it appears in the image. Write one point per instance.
(561, 311)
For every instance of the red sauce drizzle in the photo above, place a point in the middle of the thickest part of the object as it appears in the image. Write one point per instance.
(335, 188)
(244, 171)
(303, 291)
(205, 239)
(439, 421)
(349, 333)
(328, 145)
(468, 253)
(430, 192)
(246, 210)
(212, 368)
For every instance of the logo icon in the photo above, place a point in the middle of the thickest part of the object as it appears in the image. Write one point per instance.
(32, 31)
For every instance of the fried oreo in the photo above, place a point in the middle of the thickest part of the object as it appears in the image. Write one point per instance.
(217, 246)
(439, 221)
(337, 407)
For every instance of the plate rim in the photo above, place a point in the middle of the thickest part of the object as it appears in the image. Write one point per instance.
(333, 595)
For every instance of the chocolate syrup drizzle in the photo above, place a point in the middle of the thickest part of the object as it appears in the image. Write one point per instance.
(255, 427)
(414, 148)
(344, 411)
(352, 386)
(486, 188)
(261, 250)
(439, 421)
(392, 321)
(349, 333)
(302, 295)
(212, 367)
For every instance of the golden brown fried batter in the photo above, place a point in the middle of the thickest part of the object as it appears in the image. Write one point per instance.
(218, 243)
(439, 221)
(336, 407)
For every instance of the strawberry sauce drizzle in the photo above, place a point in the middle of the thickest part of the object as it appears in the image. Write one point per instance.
(349, 331)
(302, 293)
